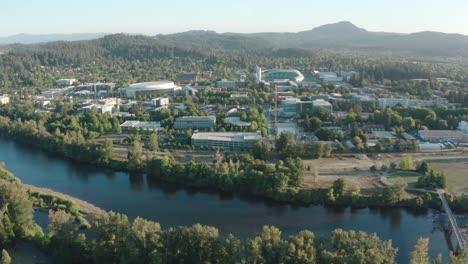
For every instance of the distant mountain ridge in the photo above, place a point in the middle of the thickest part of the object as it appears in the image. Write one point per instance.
(338, 35)
(43, 38)
(342, 35)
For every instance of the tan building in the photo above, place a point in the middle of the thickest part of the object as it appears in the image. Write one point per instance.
(4, 99)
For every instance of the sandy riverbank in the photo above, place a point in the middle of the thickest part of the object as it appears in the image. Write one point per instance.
(85, 207)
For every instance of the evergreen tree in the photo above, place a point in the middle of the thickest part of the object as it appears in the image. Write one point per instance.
(420, 252)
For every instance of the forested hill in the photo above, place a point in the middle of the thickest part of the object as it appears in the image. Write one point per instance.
(342, 35)
(339, 35)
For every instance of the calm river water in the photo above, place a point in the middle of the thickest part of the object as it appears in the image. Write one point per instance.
(172, 205)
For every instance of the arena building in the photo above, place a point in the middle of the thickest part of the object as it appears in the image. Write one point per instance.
(151, 88)
(281, 74)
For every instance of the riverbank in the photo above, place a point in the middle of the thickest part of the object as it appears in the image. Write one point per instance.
(84, 206)
(244, 177)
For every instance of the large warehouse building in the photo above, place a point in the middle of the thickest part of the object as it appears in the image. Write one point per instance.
(195, 122)
(151, 88)
(228, 140)
(435, 136)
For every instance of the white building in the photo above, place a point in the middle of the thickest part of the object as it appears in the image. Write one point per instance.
(160, 101)
(463, 126)
(66, 82)
(151, 88)
(133, 124)
(229, 140)
(392, 102)
(99, 108)
(4, 99)
(236, 121)
(239, 95)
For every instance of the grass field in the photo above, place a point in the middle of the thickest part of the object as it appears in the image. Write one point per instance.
(409, 177)
(457, 174)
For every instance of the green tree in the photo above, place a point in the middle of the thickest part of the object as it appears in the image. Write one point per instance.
(261, 150)
(295, 168)
(406, 163)
(153, 143)
(146, 236)
(301, 248)
(358, 247)
(107, 153)
(5, 257)
(135, 154)
(16, 211)
(111, 244)
(339, 187)
(268, 247)
(420, 253)
(66, 244)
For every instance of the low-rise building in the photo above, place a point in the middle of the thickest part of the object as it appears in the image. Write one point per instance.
(4, 99)
(288, 107)
(135, 125)
(66, 82)
(110, 101)
(392, 102)
(229, 140)
(443, 136)
(383, 135)
(195, 122)
(236, 121)
(329, 77)
(463, 126)
(160, 101)
(99, 108)
(239, 95)
(320, 103)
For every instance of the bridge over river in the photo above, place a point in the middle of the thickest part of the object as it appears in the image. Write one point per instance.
(462, 239)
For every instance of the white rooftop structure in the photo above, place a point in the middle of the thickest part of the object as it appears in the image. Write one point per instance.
(134, 124)
(236, 121)
(225, 139)
(463, 126)
(159, 87)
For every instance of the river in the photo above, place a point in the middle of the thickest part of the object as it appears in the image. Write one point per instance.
(172, 205)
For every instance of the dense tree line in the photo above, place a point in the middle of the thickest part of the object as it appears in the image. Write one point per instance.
(116, 239)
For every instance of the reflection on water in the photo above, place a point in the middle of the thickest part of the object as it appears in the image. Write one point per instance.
(172, 205)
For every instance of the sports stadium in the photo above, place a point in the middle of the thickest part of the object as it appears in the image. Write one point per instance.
(290, 74)
(151, 88)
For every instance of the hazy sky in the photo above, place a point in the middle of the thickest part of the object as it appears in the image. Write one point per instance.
(169, 16)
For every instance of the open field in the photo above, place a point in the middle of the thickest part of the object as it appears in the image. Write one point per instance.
(340, 163)
(457, 174)
(409, 177)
